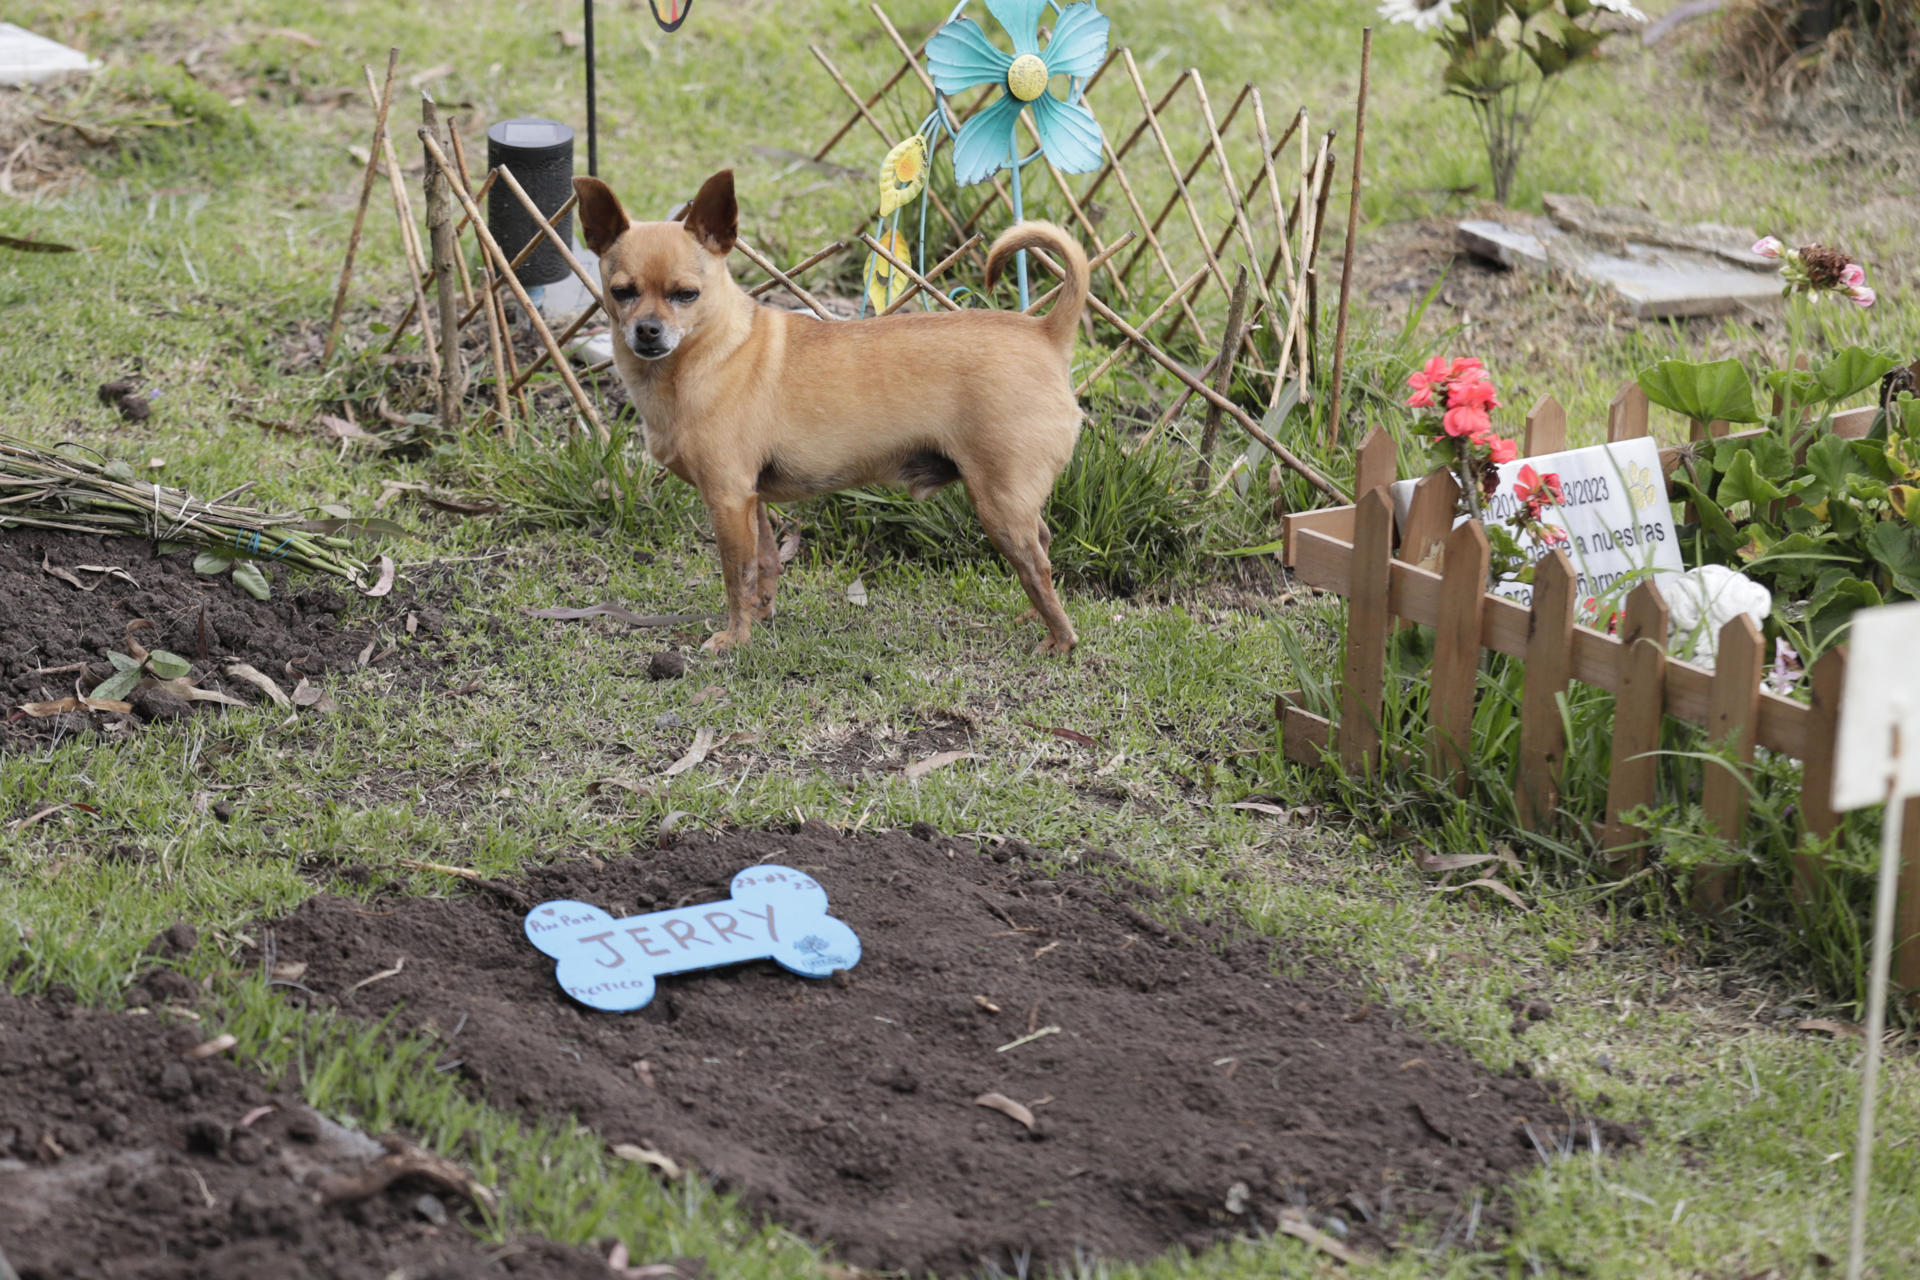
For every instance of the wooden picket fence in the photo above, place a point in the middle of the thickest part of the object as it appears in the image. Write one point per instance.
(1352, 551)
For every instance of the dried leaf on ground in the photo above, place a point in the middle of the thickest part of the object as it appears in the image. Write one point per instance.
(36, 246)
(187, 691)
(921, 768)
(619, 1261)
(598, 785)
(1293, 1223)
(618, 614)
(384, 583)
(857, 593)
(207, 1049)
(789, 547)
(340, 429)
(642, 1154)
(1069, 735)
(62, 574)
(1261, 806)
(1005, 1106)
(702, 743)
(399, 965)
(1505, 891)
(23, 823)
(58, 706)
(1830, 1026)
(462, 506)
(404, 1160)
(1438, 862)
(391, 489)
(309, 695)
(110, 570)
(261, 681)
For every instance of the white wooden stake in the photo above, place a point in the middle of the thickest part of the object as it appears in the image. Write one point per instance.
(1878, 977)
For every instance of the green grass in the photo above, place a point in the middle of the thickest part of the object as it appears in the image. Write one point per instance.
(212, 245)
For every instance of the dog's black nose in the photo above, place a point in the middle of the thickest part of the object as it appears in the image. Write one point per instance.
(649, 332)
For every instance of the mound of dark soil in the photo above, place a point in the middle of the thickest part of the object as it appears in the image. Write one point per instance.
(123, 1159)
(1183, 1092)
(54, 635)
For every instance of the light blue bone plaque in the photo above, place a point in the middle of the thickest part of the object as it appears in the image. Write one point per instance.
(775, 913)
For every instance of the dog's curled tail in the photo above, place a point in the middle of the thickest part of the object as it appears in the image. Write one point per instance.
(1060, 322)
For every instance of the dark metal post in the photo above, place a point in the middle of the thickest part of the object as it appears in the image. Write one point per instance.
(593, 133)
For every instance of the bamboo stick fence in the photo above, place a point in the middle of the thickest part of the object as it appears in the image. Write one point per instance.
(1242, 196)
(1352, 551)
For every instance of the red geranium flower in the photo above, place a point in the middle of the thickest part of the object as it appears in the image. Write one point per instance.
(1425, 382)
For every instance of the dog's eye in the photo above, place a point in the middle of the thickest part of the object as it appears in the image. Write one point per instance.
(623, 293)
(685, 297)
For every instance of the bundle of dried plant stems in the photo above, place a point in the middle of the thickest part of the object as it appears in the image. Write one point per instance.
(48, 490)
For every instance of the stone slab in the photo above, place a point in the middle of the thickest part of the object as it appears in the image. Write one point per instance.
(1648, 280)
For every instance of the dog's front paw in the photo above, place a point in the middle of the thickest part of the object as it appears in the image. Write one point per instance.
(722, 642)
(1058, 646)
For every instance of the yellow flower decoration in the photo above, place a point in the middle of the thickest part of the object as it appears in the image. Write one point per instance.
(903, 174)
(885, 283)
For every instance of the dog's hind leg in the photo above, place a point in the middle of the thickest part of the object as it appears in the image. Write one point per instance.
(768, 561)
(1016, 530)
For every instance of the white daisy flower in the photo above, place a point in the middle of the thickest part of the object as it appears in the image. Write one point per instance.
(1624, 7)
(1425, 15)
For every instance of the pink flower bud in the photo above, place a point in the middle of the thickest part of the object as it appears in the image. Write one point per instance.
(1768, 246)
(1862, 296)
(1853, 274)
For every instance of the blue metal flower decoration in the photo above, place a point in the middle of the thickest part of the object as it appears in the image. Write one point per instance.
(961, 57)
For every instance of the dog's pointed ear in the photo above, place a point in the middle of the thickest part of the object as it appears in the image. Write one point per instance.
(601, 216)
(714, 218)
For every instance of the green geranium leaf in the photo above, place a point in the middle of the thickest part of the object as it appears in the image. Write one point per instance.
(1873, 459)
(1831, 609)
(1548, 54)
(1706, 392)
(168, 666)
(1772, 459)
(1906, 411)
(212, 561)
(1527, 10)
(117, 686)
(1744, 483)
(1852, 371)
(249, 578)
(1830, 459)
(121, 662)
(1581, 41)
(1796, 386)
(1897, 546)
(1843, 518)
(1712, 518)
(1795, 560)
(119, 470)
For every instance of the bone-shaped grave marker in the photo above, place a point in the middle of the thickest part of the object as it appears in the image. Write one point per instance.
(775, 913)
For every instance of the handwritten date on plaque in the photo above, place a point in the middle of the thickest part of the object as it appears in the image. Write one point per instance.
(775, 913)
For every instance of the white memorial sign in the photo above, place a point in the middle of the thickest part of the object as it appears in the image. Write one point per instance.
(1613, 506)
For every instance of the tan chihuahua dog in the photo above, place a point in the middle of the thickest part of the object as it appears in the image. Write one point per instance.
(752, 405)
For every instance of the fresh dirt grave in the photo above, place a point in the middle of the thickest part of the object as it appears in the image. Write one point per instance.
(1181, 1091)
(55, 636)
(123, 1156)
